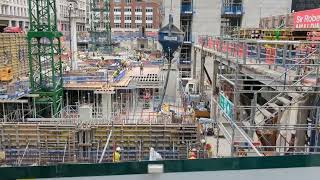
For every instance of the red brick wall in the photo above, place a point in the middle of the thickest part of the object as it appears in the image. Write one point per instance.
(133, 5)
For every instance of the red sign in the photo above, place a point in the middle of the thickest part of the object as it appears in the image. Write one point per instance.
(307, 19)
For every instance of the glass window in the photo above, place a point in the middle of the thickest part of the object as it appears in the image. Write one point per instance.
(138, 17)
(117, 9)
(127, 25)
(149, 9)
(149, 25)
(117, 25)
(127, 9)
(117, 17)
(127, 17)
(138, 9)
(149, 18)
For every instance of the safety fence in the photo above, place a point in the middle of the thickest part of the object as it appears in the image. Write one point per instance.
(18, 157)
(232, 9)
(286, 54)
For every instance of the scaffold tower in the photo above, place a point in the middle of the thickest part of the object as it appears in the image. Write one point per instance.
(100, 26)
(45, 57)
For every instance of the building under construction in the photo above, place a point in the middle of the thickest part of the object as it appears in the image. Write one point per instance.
(253, 91)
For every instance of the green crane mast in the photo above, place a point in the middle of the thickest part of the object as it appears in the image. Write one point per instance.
(44, 47)
(100, 32)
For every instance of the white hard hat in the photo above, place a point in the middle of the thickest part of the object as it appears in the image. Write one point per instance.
(118, 149)
(194, 149)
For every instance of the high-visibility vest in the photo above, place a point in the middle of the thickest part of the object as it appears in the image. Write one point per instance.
(116, 157)
(2, 155)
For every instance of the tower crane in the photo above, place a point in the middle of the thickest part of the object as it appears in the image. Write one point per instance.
(100, 25)
(44, 46)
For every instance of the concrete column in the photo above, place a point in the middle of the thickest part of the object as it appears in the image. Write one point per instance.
(201, 84)
(215, 73)
(23, 25)
(10, 23)
(194, 64)
(213, 112)
(74, 43)
(106, 105)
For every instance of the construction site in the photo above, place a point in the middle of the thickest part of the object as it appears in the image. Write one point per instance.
(244, 92)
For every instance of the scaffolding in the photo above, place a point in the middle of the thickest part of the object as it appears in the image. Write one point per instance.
(265, 99)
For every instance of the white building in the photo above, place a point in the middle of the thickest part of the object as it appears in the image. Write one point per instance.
(78, 13)
(14, 13)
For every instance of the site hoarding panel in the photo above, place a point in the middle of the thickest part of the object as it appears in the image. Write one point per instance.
(309, 19)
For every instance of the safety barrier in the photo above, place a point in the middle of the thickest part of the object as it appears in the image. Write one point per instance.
(263, 53)
(31, 156)
(232, 9)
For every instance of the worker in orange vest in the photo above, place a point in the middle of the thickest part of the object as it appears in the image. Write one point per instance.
(209, 150)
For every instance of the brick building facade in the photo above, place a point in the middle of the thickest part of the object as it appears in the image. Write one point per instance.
(131, 15)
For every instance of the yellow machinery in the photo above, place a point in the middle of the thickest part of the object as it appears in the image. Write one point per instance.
(166, 107)
(6, 74)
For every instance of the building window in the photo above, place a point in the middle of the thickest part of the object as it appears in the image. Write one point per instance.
(149, 25)
(117, 25)
(127, 17)
(117, 18)
(149, 9)
(117, 1)
(139, 18)
(138, 9)
(127, 9)
(128, 1)
(127, 25)
(138, 25)
(117, 9)
(149, 18)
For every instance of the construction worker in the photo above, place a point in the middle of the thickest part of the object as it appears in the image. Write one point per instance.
(2, 156)
(193, 156)
(193, 151)
(242, 152)
(141, 68)
(117, 155)
(209, 150)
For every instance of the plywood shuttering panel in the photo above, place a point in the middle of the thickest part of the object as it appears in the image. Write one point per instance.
(14, 54)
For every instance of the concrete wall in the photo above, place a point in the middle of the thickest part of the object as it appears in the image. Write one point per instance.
(176, 6)
(253, 9)
(206, 18)
(261, 174)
